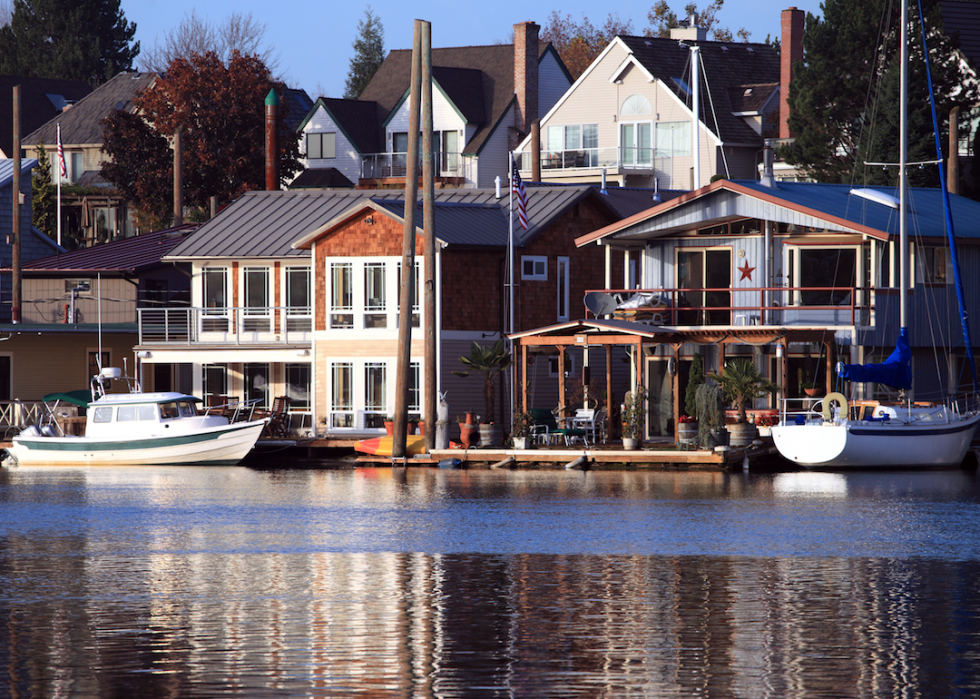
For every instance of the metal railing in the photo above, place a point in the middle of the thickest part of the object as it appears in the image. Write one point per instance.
(382, 165)
(232, 325)
(614, 160)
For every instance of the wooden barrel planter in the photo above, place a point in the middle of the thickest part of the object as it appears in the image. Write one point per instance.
(742, 434)
(687, 432)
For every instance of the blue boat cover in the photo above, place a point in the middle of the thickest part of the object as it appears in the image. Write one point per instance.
(896, 371)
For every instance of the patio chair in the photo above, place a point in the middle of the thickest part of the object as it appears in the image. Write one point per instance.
(546, 428)
(278, 425)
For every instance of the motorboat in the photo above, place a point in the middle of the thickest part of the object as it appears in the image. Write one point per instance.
(135, 428)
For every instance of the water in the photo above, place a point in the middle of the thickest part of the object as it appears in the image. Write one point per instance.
(209, 582)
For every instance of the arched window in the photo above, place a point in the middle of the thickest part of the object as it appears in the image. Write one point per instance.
(636, 104)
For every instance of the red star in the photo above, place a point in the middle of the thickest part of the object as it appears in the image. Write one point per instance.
(746, 271)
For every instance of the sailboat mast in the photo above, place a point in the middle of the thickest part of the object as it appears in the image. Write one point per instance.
(903, 110)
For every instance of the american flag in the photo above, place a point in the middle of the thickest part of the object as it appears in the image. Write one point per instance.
(517, 186)
(61, 156)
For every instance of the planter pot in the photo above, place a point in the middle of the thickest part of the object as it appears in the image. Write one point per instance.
(764, 431)
(490, 436)
(717, 438)
(422, 427)
(687, 432)
(412, 427)
(629, 444)
(468, 435)
(523, 443)
(811, 392)
(389, 427)
(742, 434)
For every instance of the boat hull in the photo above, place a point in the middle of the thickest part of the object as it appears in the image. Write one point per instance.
(382, 446)
(876, 445)
(227, 444)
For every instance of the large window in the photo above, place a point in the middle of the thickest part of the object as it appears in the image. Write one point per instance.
(342, 395)
(298, 386)
(930, 265)
(365, 294)
(298, 307)
(833, 269)
(341, 295)
(636, 144)
(215, 380)
(257, 379)
(215, 288)
(256, 288)
(673, 138)
(413, 290)
(375, 295)
(375, 393)
(571, 145)
(321, 145)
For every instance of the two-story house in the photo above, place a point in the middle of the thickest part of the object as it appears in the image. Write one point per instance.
(296, 294)
(484, 101)
(647, 108)
(797, 276)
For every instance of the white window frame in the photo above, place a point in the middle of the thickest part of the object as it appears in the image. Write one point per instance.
(247, 276)
(321, 145)
(539, 268)
(563, 288)
(361, 314)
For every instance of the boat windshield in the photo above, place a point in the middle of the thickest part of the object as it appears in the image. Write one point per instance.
(187, 408)
(168, 411)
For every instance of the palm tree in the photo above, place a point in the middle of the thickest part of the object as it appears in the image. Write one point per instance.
(742, 383)
(489, 361)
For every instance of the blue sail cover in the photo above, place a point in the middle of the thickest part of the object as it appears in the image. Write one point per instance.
(896, 371)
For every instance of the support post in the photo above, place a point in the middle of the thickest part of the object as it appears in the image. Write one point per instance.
(429, 236)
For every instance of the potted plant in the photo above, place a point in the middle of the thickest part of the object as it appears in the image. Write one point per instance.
(390, 425)
(687, 429)
(521, 435)
(490, 362)
(809, 386)
(742, 383)
(634, 418)
(710, 407)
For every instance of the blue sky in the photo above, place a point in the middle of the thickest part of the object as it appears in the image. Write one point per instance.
(313, 38)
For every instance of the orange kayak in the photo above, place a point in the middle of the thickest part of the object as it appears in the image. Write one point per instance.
(381, 446)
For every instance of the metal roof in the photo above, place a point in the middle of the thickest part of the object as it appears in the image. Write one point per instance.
(128, 255)
(267, 224)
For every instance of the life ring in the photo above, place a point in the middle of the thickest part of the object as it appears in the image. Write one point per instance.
(828, 399)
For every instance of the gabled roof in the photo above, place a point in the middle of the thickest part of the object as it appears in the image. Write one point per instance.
(724, 65)
(126, 256)
(82, 124)
(359, 120)
(41, 99)
(298, 105)
(832, 206)
(494, 65)
(268, 224)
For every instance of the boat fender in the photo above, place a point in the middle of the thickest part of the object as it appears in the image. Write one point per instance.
(827, 408)
(450, 463)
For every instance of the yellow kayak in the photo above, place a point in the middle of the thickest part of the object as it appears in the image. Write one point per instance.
(381, 446)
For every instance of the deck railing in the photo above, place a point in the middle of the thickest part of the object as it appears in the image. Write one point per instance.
(383, 165)
(230, 325)
(804, 305)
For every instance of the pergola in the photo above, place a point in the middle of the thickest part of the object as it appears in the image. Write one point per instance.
(611, 333)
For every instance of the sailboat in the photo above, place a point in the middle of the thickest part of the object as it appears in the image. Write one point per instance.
(906, 435)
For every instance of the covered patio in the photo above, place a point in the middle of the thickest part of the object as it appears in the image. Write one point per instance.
(641, 339)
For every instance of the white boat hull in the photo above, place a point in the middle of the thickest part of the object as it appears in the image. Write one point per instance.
(863, 444)
(226, 444)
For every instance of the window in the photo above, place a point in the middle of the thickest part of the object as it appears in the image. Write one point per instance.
(321, 145)
(215, 384)
(636, 104)
(375, 394)
(590, 135)
(215, 293)
(822, 267)
(341, 295)
(534, 268)
(375, 306)
(450, 151)
(102, 414)
(342, 395)
(414, 289)
(257, 384)
(256, 293)
(298, 309)
(554, 141)
(553, 366)
(126, 413)
(563, 288)
(673, 138)
(930, 265)
(573, 137)
(635, 141)
(415, 390)
(298, 386)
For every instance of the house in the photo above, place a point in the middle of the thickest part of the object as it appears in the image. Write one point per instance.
(41, 99)
(629, 116)
(295, 293)
(484, 100)
(80, 303)
(91, 209)
(797, 276)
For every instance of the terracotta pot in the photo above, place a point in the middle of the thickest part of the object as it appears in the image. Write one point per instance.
(412, 427)
(468, 432)
(389, 427)
(422, 427)
(811, 391)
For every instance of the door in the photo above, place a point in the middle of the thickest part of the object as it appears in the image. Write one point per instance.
(704, 280)
(660, 411)
(637, 144)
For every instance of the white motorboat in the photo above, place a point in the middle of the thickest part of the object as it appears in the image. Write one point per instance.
(137, 428)
(874, 435)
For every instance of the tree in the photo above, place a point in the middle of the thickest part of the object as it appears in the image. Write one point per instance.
(368, 54)
(578, 43)
(85, 40)
(221, 112)
(490, 362)
(44, 194)
(662, 19)
(843, 98)
(196, 35)
(742, 383)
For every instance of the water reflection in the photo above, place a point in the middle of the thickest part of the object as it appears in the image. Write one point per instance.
(232, 582)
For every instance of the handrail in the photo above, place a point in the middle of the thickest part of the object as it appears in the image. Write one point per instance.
(226, 325)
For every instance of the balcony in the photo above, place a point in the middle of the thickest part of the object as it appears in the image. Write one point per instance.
(824, 306)
(382, 166)
(225, 326)
(615, 161)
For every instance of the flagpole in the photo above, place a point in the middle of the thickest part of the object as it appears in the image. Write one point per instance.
(61, 157)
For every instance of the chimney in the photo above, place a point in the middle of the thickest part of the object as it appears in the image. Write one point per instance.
(768, 180)
(526, 74)
(791, 52)
(272, 141)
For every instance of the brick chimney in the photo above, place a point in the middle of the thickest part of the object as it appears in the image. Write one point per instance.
(791, 51)
(526, 75)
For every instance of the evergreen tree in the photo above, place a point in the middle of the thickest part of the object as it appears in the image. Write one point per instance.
(368, 54)
(844, 96)
(44, 195)
(85, 40)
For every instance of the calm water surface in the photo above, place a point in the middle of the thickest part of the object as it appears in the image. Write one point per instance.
(207, 582)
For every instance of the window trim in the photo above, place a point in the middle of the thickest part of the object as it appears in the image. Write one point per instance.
(563, 283)
(535, 275)
(318, 138)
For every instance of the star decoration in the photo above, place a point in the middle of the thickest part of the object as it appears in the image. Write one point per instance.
(746, 271)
